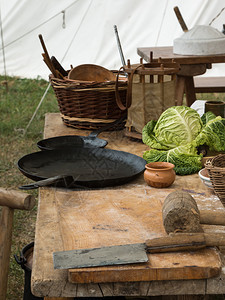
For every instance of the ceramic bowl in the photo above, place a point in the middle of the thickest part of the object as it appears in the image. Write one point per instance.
(204, 176)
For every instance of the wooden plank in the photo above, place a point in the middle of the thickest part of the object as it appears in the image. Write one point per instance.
(209, 84)
(45, 281)
(166, 53)
(89, 219)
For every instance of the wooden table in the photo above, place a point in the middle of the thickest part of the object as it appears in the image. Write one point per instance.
(190, 66)
(60, 210)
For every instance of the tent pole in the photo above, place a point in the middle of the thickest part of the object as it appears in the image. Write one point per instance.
(3, 52)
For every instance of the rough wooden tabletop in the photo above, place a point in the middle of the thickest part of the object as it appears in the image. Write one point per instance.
(54, 283)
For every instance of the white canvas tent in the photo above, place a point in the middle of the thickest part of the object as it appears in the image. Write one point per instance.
(81, 31)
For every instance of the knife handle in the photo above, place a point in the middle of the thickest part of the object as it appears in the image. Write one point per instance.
(176, 242)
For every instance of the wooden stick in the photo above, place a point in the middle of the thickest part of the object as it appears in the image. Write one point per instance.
(58, 66)
(6, 224)
(180, 19)
(16, 199)
(49, 62)
(212, 217)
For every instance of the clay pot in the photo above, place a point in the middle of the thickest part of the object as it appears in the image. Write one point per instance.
(159, 174)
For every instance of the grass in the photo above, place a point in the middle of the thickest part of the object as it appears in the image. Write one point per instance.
(17, 106)
(16, 109)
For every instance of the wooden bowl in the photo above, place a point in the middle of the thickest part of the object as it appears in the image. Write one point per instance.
(90, 72)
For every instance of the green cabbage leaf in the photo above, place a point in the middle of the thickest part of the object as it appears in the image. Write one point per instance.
(178, 133)
(213, 135)
(178, 125)
(149, 138)
(185, 158)
(206, 117)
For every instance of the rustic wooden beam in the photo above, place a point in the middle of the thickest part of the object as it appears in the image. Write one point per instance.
(9, 200)
(16, 199)
(6, 224)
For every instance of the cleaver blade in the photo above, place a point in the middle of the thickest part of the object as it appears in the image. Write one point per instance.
(104, 256)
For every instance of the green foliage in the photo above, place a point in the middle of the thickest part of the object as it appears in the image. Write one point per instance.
(19, 99)
(19, 103)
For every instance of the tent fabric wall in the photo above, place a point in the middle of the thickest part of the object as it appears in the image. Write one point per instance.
(84, 33)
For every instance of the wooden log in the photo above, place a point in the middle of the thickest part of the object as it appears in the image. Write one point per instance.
(180, 213)
(6, 224)
(16, 199)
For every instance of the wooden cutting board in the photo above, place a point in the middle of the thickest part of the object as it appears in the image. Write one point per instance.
(91, 219)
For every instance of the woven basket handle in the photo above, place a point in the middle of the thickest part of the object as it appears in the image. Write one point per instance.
(129, 89)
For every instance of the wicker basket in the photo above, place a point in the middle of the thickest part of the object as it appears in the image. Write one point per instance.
(89, 105)
(216, 170)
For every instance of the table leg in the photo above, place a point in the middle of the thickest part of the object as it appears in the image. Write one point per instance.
(189, 90)
(185, 84)
(180, 89)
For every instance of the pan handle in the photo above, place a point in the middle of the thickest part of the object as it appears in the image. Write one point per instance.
(41, 183)
(96, 132)
(67, 180)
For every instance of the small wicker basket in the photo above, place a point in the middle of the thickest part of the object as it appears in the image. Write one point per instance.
(216, 170)
(88, 104)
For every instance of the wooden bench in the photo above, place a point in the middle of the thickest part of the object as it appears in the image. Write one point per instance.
(209, 84)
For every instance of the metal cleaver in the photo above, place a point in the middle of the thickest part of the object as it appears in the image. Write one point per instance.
(112, 255)
(134, 253)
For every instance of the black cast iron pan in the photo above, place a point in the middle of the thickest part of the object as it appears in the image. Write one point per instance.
(81, 167)
(78, 141)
